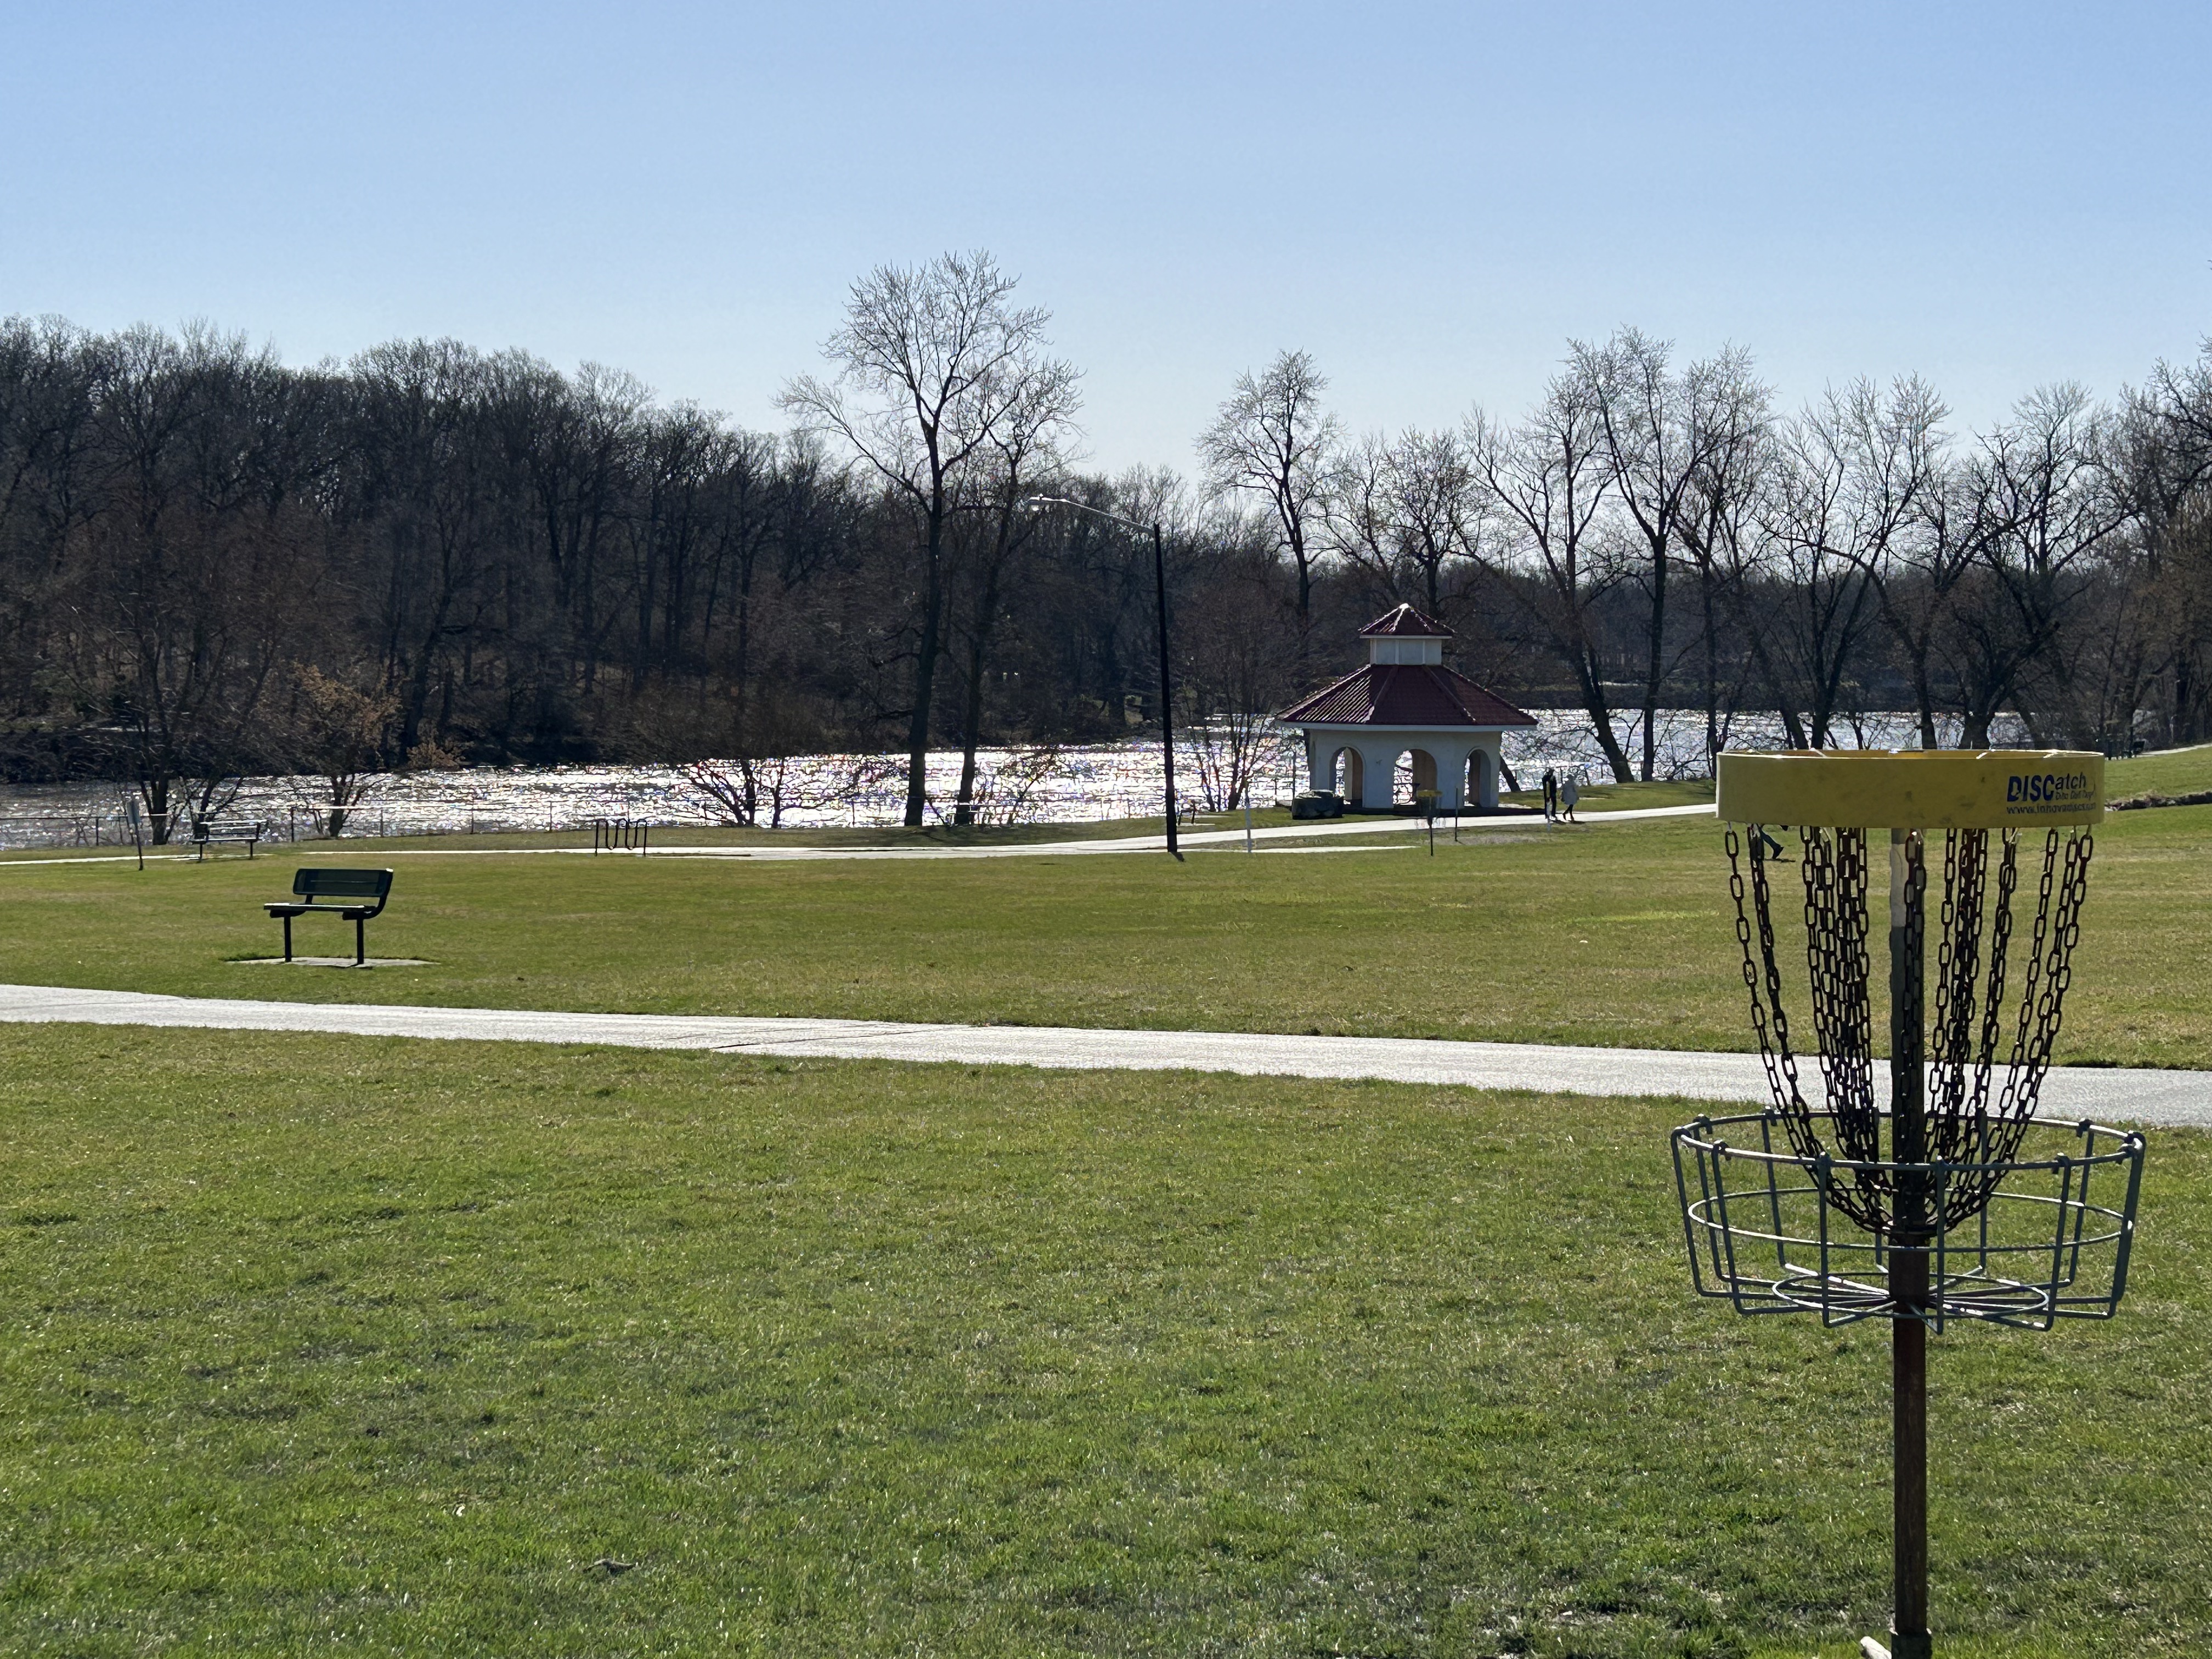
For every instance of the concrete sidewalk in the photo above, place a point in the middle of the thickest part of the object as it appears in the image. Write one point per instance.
(2180, 1099)
(1201, 841)
(1476, 830)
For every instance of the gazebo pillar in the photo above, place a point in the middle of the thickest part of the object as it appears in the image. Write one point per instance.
(1467, 769)
(1486, 753)
(1378, 764)
(1449, 754)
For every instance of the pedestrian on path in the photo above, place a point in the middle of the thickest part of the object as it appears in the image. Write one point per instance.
(1570, 792)
(1551, 795)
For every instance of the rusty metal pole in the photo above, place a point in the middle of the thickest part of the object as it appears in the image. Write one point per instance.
(1909, 1636)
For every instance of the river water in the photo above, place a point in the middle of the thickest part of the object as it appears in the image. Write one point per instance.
(1072, 784)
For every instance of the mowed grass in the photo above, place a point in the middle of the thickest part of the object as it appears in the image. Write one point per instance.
(2166, 771)
(1618, 934)
(424, 1347)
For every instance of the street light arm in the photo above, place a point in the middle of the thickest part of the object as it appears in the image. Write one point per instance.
(1084, 507)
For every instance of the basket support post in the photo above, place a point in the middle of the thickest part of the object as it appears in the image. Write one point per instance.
(1908, 1253)
(1909, 1637)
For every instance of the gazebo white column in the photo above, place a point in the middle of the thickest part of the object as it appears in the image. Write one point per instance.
(1487, 753)
(1379, 763)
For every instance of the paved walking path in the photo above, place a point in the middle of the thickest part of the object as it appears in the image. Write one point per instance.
(1194, 840)
(2150, 1096)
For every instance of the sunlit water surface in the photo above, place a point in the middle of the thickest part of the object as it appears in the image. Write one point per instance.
(1077, 785)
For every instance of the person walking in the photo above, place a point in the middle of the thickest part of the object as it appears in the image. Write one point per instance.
(1570, 792)
(1551, 795)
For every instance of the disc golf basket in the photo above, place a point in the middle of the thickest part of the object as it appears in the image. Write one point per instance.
(1957, 1203)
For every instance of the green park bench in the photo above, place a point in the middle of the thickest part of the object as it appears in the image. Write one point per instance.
(311, 887)
(208, 832)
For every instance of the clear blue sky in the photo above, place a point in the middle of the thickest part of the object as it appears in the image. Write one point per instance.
(1431, 198)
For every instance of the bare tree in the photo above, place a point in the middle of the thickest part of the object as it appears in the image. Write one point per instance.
(1272, 440)
(1234, 663)
(1843, 490)
(2054, 514)
(1548, 479)
(1893, 515)
(1025, 449)
(430, 488)
(1717, 525)
(2174, 577)
(339, 734)
(757, 791)
(1410, 516)
(1663, 432)
(927, 361)
(190, 582)
(2161, 448)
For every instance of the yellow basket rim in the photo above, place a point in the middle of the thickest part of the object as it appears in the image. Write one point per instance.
(1912, 788)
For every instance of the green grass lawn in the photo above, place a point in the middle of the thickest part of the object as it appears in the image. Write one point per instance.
(1622, 796)
(2168, 771)
(435, 1347)
(1618, 934)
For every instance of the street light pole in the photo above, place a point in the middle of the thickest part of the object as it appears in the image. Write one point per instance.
(1167, 680)
(1167, 687)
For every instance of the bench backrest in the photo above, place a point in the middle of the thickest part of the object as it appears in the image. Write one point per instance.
(316, 881)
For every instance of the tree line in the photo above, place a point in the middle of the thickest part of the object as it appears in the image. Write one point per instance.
(215, 563)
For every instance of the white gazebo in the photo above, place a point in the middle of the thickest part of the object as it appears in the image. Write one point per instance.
(1406, 701)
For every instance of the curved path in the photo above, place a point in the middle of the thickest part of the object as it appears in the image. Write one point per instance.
(2179, 1098)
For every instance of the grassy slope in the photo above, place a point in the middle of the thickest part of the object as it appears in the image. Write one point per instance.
(2170, 771)
(1620, 797)
(1619, 935)
(383, 1346)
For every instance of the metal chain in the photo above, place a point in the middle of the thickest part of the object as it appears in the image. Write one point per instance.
(2032, 980)
(1962, 1130)
(2058, 971)
(1907, 1191)
(1965, 874)
(2000, 943)
(1834, 869)
(1774, 1035)
(2043, 997)
(1836, 934)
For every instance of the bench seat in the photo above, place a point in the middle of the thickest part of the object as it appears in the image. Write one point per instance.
(354, 896)
(206, 835)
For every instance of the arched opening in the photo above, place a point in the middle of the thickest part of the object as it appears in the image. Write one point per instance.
(1414, 778)
(1347, 776)
(1481, 781)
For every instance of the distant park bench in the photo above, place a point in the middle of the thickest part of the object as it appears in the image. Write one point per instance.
(210, 832)
(368, 888)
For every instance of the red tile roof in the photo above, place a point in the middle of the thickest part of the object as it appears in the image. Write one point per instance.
(1405, 694)
(1407, 620)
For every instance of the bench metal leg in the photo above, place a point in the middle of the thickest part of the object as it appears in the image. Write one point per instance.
(360, 942)
(288, 939)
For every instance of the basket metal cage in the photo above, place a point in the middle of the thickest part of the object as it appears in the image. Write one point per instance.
(1766, 1235)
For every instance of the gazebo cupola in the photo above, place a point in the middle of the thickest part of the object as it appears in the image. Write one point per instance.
(1405, 701)
(1405, 636)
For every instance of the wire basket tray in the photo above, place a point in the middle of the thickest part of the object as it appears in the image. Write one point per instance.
(1765, 1232)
